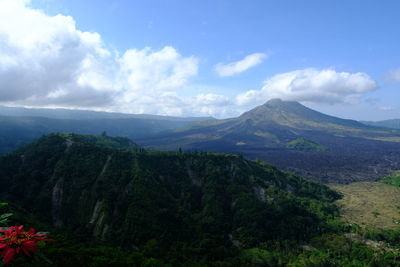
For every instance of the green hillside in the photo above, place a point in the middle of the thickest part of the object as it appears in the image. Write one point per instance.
(127, 206)
(176, 195)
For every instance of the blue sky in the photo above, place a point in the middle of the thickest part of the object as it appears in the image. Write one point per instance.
(196, 58)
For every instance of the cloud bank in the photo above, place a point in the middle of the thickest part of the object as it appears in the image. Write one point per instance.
(237, 67)
(312, 85)
(46, 61)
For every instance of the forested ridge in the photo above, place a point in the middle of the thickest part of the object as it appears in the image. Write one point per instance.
(109, 202)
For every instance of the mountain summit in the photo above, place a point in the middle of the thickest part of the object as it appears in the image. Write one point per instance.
(294, 114)
(295, 138)
(272, 124)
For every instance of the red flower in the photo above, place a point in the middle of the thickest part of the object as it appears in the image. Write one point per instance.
(14, 241)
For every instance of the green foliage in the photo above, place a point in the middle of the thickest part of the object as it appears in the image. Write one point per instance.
(188, 197)
(392, 179)
(133, 207)
(4, 217)
(304, 145)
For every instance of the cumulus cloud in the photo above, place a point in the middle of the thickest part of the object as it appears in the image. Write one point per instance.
(45, 58)
(237, 67)
(311, 85)
(47, 61)
(393, 75)
(159, 70)
(213, 104)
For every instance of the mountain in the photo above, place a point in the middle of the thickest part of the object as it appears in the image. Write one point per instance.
(284, 133)
(295, 115)
(274, 124)
(394, 123)
(19, 126)
(76, 114)
(298, 139)
(202, 204)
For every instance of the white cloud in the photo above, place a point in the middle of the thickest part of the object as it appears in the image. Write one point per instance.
(393, 75)
(47, 61)
(213, 104)
(386, 108)
(237, 67)
(164, 69)
(169, 102)
(212, 99)
(311, 85)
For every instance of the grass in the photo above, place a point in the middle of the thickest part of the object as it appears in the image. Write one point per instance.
(370, 204)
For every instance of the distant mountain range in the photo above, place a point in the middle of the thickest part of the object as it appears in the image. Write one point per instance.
(19, 126)
(394, 123)
(284, 133)
(76, 114)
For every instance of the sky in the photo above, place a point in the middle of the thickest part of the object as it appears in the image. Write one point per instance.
(202, 58)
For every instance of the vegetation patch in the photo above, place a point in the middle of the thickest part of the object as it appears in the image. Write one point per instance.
(392, 179)
(370, 204)
(304, 145)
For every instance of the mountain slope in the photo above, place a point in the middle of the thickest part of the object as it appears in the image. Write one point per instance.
(128, 196)
(394, 123)
(293, 114)
(345, 150)
(275, 123)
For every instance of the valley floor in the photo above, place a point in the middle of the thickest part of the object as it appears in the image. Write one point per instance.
(370, 204)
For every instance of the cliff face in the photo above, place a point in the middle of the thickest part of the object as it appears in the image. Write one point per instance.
(111, 189)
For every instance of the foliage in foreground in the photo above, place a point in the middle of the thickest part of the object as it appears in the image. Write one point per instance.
(17, 243)
(324, 250)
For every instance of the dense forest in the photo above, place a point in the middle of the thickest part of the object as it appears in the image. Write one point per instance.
(108, 202)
